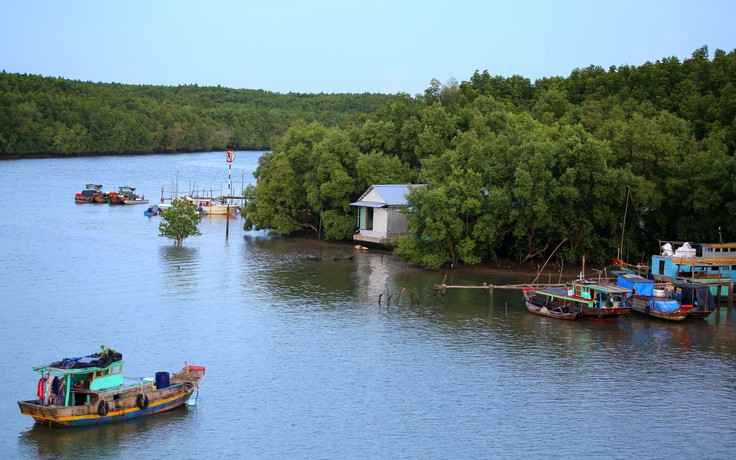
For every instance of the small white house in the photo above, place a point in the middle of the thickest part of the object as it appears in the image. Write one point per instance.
(379, 218)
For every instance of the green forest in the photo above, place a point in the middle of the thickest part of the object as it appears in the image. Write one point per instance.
(519, 170)
(511, 169)
(45, 116)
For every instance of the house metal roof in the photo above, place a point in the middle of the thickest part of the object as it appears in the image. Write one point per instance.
(391, 194)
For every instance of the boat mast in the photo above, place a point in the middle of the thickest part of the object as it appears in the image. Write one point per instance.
(623, 227)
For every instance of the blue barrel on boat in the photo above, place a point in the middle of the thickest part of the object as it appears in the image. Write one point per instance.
(162, 380)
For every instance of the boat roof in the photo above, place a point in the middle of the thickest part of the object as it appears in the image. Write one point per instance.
(562, 295)
(700, 263)
(75, 371)
(722, 245)
(606, 288)
(633, 277)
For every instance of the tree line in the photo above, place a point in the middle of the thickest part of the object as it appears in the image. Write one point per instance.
(57, 117)
(515, 169)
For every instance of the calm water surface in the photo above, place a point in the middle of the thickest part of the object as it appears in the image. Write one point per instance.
(302, 361)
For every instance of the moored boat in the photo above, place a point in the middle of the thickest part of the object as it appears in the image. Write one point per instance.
(135, 200)
(552, 303)
(218, 206)
(712, 264)
(607, 301)
(101, 197)
(647, 300)
(126, 195)
(698, 296)
(640, 269)
(93, 390)
(87, 195)
(151, 211)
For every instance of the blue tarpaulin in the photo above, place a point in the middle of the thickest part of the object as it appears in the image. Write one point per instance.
(639, 284)
(666, 305)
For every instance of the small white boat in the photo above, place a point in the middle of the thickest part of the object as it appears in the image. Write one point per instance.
(217, 206)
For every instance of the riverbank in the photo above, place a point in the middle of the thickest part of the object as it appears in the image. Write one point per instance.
(500, 267)
(48, 155)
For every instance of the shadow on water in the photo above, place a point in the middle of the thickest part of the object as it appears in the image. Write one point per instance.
(180, 265)
(107, 441)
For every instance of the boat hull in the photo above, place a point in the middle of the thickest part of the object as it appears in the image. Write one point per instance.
(608, 314)
(134, 201)
(554, 312)
(700, 314)
(101, 198)
(125, 406)
(646, 305)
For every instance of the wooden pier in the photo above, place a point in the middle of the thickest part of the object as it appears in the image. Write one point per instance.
(441, 289)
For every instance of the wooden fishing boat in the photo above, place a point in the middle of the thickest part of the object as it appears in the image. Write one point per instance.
(101, 197)
(552, 304)
(87, 195)
(607, 301)
(697, 296)
(126, 195)
(659, 307)
(647, 300)
(93, 390)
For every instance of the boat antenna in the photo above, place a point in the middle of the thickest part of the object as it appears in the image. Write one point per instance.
(545, 262)
(623, 227)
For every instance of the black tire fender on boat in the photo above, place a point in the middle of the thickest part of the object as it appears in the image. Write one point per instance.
(142, 401)
(600, 313)
(102, 408)
(647, 309)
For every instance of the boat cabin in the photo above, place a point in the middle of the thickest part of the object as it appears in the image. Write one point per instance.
(603, 295)
(73, 382)
(695, 294)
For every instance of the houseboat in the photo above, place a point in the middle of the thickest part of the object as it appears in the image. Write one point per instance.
(711, 264)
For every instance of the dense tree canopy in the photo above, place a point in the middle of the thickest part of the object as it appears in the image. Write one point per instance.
(509, 168)
(513, 169)
(54, 116)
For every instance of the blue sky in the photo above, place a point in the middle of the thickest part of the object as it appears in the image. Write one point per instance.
(347, 46)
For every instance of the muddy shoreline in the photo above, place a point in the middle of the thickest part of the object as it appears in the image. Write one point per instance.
(500, 267)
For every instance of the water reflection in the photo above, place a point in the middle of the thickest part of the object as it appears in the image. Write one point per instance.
(103, 441)
(180, 268)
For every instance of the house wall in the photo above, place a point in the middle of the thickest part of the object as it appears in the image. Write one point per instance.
(380, 220)
(396, 221)
(373, 196)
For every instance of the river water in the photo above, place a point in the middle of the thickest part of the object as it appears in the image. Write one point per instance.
(302, 360)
